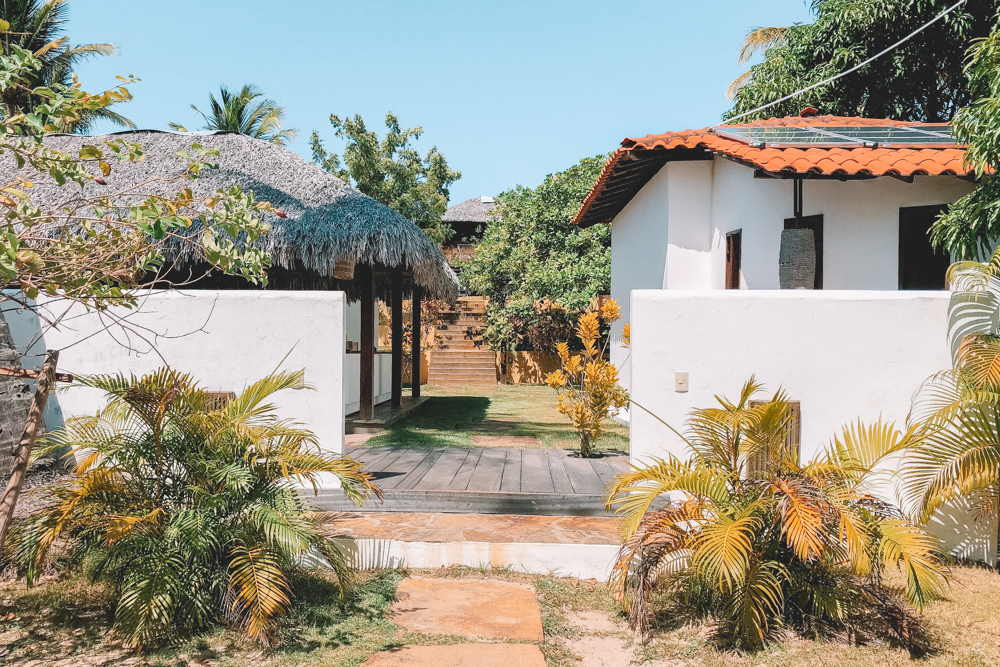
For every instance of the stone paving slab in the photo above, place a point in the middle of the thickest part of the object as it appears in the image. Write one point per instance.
(496, 528)
(460, 655)
(468, 608)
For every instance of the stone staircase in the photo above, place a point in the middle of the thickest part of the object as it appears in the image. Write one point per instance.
(457, 360)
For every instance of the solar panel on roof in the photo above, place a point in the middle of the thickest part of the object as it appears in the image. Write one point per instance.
(848, 136)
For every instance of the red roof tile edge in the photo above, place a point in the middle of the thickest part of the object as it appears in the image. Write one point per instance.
(898, 162)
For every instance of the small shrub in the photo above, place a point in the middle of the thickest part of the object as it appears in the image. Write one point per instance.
(190, 513)
(805, 546)
(587, 384)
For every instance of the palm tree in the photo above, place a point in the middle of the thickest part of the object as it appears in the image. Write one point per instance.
(246, 112)
(190, 509)
(959, 408)
(758, 40)
(800, 545)
(37, 27)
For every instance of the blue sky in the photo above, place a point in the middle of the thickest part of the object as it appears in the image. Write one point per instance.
(509, 91)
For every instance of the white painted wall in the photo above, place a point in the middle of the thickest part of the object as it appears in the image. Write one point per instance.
(638, 255)
(860, 224)
(352, 365)
(352, 380)
(226, 340)
(672, 234)
(843, 354)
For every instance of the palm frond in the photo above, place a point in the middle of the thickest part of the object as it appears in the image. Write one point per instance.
(258, 592)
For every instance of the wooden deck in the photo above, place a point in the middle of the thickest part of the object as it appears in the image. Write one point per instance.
(483, 480)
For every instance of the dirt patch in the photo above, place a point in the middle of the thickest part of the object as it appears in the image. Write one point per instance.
(506, 441)
(357, 439)
(601, 640)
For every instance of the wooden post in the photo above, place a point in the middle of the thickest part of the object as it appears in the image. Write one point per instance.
(367, 277)
(35, 413)
(396, 306)
(415, 372)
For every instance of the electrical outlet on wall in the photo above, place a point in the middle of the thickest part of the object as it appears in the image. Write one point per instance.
(681, 381)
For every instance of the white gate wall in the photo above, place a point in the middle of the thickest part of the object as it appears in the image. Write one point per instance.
(843, 354)
(225, 339)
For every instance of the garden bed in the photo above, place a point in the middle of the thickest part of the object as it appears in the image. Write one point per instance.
(66, 622)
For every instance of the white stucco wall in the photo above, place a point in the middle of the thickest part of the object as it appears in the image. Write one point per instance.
(860, 223)
(226, 340)
(844, 355)
(672, 234)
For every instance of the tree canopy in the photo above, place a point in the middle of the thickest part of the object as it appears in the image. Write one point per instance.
(922, 80)
(247, 112)
(391, 171)
(38, 27)
(100, 250)
(972, 224)
(531, 250)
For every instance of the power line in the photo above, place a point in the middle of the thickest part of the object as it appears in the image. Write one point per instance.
(853, 69)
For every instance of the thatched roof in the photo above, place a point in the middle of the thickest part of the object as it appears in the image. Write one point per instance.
(327, 218)
(471, 210)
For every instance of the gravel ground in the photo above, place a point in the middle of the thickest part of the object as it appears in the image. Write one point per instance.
(34, 493)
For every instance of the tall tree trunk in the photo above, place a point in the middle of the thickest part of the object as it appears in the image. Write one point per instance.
(9, 500)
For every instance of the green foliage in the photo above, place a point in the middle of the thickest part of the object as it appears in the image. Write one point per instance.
(190, 511)
(970, 227)
(923, 80)
(959, 408)
(38, 27)
(796, 545)
(531, 250)
(391, 171)
(100, 249)
(247, 112)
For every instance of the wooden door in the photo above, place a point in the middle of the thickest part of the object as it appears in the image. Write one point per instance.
(734, 258)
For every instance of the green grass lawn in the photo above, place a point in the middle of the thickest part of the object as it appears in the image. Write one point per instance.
(454, 415)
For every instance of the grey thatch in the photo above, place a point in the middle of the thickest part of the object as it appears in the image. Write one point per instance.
(471, 210)
(327, 218)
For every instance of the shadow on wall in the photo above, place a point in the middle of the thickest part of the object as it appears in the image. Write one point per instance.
(24, 327)
(963, 536)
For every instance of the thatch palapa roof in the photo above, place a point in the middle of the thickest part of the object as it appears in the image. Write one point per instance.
(327, 218)
(471, 210)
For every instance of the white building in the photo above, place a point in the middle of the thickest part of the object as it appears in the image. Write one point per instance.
(697, 230)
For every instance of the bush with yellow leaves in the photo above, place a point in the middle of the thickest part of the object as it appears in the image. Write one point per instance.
(587, 384)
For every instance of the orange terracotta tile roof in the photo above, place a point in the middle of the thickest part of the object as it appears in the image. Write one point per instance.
(638, 160)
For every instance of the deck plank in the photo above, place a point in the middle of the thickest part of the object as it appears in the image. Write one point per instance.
(582, 476)
(535, 475)
(393, 474)
(489, 471)
(464, 475)
(440, 476)
(379, 458)
(604, 470)
(428, 463)
(511, 479)
(557, 470)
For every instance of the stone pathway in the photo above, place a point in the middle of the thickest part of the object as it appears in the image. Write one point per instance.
(446, 527)
(491, 609)
(460, 655)
(486, 610)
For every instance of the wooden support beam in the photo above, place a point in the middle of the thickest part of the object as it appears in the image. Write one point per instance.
(34, 375)
(396, 306)
(415, 373)
(367, 278)
(46, 379)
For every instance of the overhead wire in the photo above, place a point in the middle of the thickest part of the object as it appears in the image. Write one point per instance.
(849, 71)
